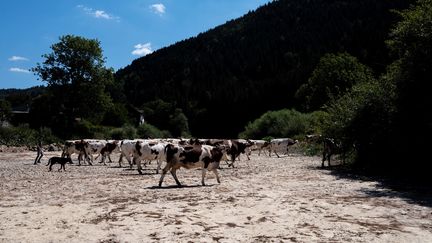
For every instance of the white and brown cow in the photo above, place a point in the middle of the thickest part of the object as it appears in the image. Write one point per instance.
(205, 157)
(280, 144)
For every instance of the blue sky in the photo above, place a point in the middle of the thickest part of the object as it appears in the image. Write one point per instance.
(126, 29)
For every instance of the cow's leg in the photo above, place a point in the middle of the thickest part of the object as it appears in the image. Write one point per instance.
(69, 156)
(129, 160)
(120, 159)
(89, 159)
(276, 153)
(217, 175)
(174, 174)
(109, 158)
(226, 161)
(50, 168)
(164, 171)
(203, 171)
(102, 159)
(138, 162)
(159, 163)
(233, 157)
(99, 154)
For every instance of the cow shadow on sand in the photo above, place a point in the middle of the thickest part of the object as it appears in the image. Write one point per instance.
(408, 189)
(144, 172)
(176, 187)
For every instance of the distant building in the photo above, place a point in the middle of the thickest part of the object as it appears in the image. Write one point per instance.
(20, 115)
(137, 114)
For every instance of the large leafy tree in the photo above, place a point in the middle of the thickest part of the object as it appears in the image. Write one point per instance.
(389, 121)
(334, 76)
(411, 41)
(76, 78)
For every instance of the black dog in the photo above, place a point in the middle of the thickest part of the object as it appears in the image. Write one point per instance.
(59, 160)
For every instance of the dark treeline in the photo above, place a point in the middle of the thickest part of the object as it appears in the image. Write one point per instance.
(232, 74)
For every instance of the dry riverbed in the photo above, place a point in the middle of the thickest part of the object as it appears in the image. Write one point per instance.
(288, 199)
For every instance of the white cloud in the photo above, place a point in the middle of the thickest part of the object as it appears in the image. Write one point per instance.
(19, 70)
(17, 58)
(158, 8)
(102, 14)
(142, 49)
(99, 14)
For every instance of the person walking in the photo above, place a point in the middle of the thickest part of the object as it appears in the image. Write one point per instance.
(39, 153)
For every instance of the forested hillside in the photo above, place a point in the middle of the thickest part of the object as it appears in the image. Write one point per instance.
(232, 74)
(19, 98)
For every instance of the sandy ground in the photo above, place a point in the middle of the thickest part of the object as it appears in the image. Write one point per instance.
(289, 199)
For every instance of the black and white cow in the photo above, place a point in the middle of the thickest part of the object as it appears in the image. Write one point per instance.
(149, 151)
(108, 149)
(259, 145)
(127, 150)
(205, 157)
(235, 148)
(280, 144)
(79, 147)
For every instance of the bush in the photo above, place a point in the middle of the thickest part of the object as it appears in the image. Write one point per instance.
(125, 132)
(23, 135)
(86, 129)
(147, 130)
(283, 123)
(362, 119)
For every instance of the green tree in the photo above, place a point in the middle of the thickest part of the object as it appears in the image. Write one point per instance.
(334, 75)
(281, 123)
(411, 42)
(179, 124)
(77, 78)
(389, 121)
(362, 119)
(5, 111)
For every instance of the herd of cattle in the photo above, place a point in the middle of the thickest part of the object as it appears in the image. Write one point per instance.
(192, 153)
